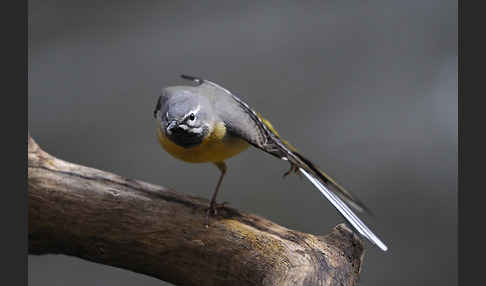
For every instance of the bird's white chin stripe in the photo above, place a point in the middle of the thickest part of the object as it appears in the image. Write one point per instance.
(345, 211)
(196, 130)
(191, 130)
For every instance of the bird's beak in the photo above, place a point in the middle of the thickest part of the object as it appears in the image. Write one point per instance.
(172, 125)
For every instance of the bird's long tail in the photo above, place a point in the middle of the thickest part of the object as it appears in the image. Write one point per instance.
(284, 150)
(337, 196)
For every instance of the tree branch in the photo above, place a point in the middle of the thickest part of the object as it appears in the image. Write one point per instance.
(105, 218)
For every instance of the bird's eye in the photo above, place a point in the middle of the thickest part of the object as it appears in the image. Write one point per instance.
(192, 116)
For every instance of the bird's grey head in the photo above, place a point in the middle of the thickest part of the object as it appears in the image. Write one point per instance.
(183, 115)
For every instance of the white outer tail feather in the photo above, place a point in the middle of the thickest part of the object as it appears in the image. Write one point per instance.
(346, 211)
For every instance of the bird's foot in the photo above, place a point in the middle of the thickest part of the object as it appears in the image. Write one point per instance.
(293, 169)
(212, 210)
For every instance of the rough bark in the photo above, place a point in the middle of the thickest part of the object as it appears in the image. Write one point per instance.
(126, 223)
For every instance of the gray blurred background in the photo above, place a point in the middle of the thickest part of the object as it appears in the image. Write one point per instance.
(368, 90)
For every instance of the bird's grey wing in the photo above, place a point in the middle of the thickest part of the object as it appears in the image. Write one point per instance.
(244, 122)
(241, 120)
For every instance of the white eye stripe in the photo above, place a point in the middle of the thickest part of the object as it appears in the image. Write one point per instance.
(194, 111)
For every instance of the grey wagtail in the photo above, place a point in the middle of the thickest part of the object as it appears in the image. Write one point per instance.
(207, 123)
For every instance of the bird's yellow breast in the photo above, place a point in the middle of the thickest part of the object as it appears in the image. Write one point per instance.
(214, 148)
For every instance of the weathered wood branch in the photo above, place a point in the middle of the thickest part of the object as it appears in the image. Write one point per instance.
(105, 218)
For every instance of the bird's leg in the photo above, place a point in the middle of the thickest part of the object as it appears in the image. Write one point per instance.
(213, 206)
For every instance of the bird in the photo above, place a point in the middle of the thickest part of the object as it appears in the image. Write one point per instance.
(206, 123)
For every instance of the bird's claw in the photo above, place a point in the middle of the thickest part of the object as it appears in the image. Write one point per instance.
(212, 210)
(293, 169)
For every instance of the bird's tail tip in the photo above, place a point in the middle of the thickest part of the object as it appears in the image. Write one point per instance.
(348, 214)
